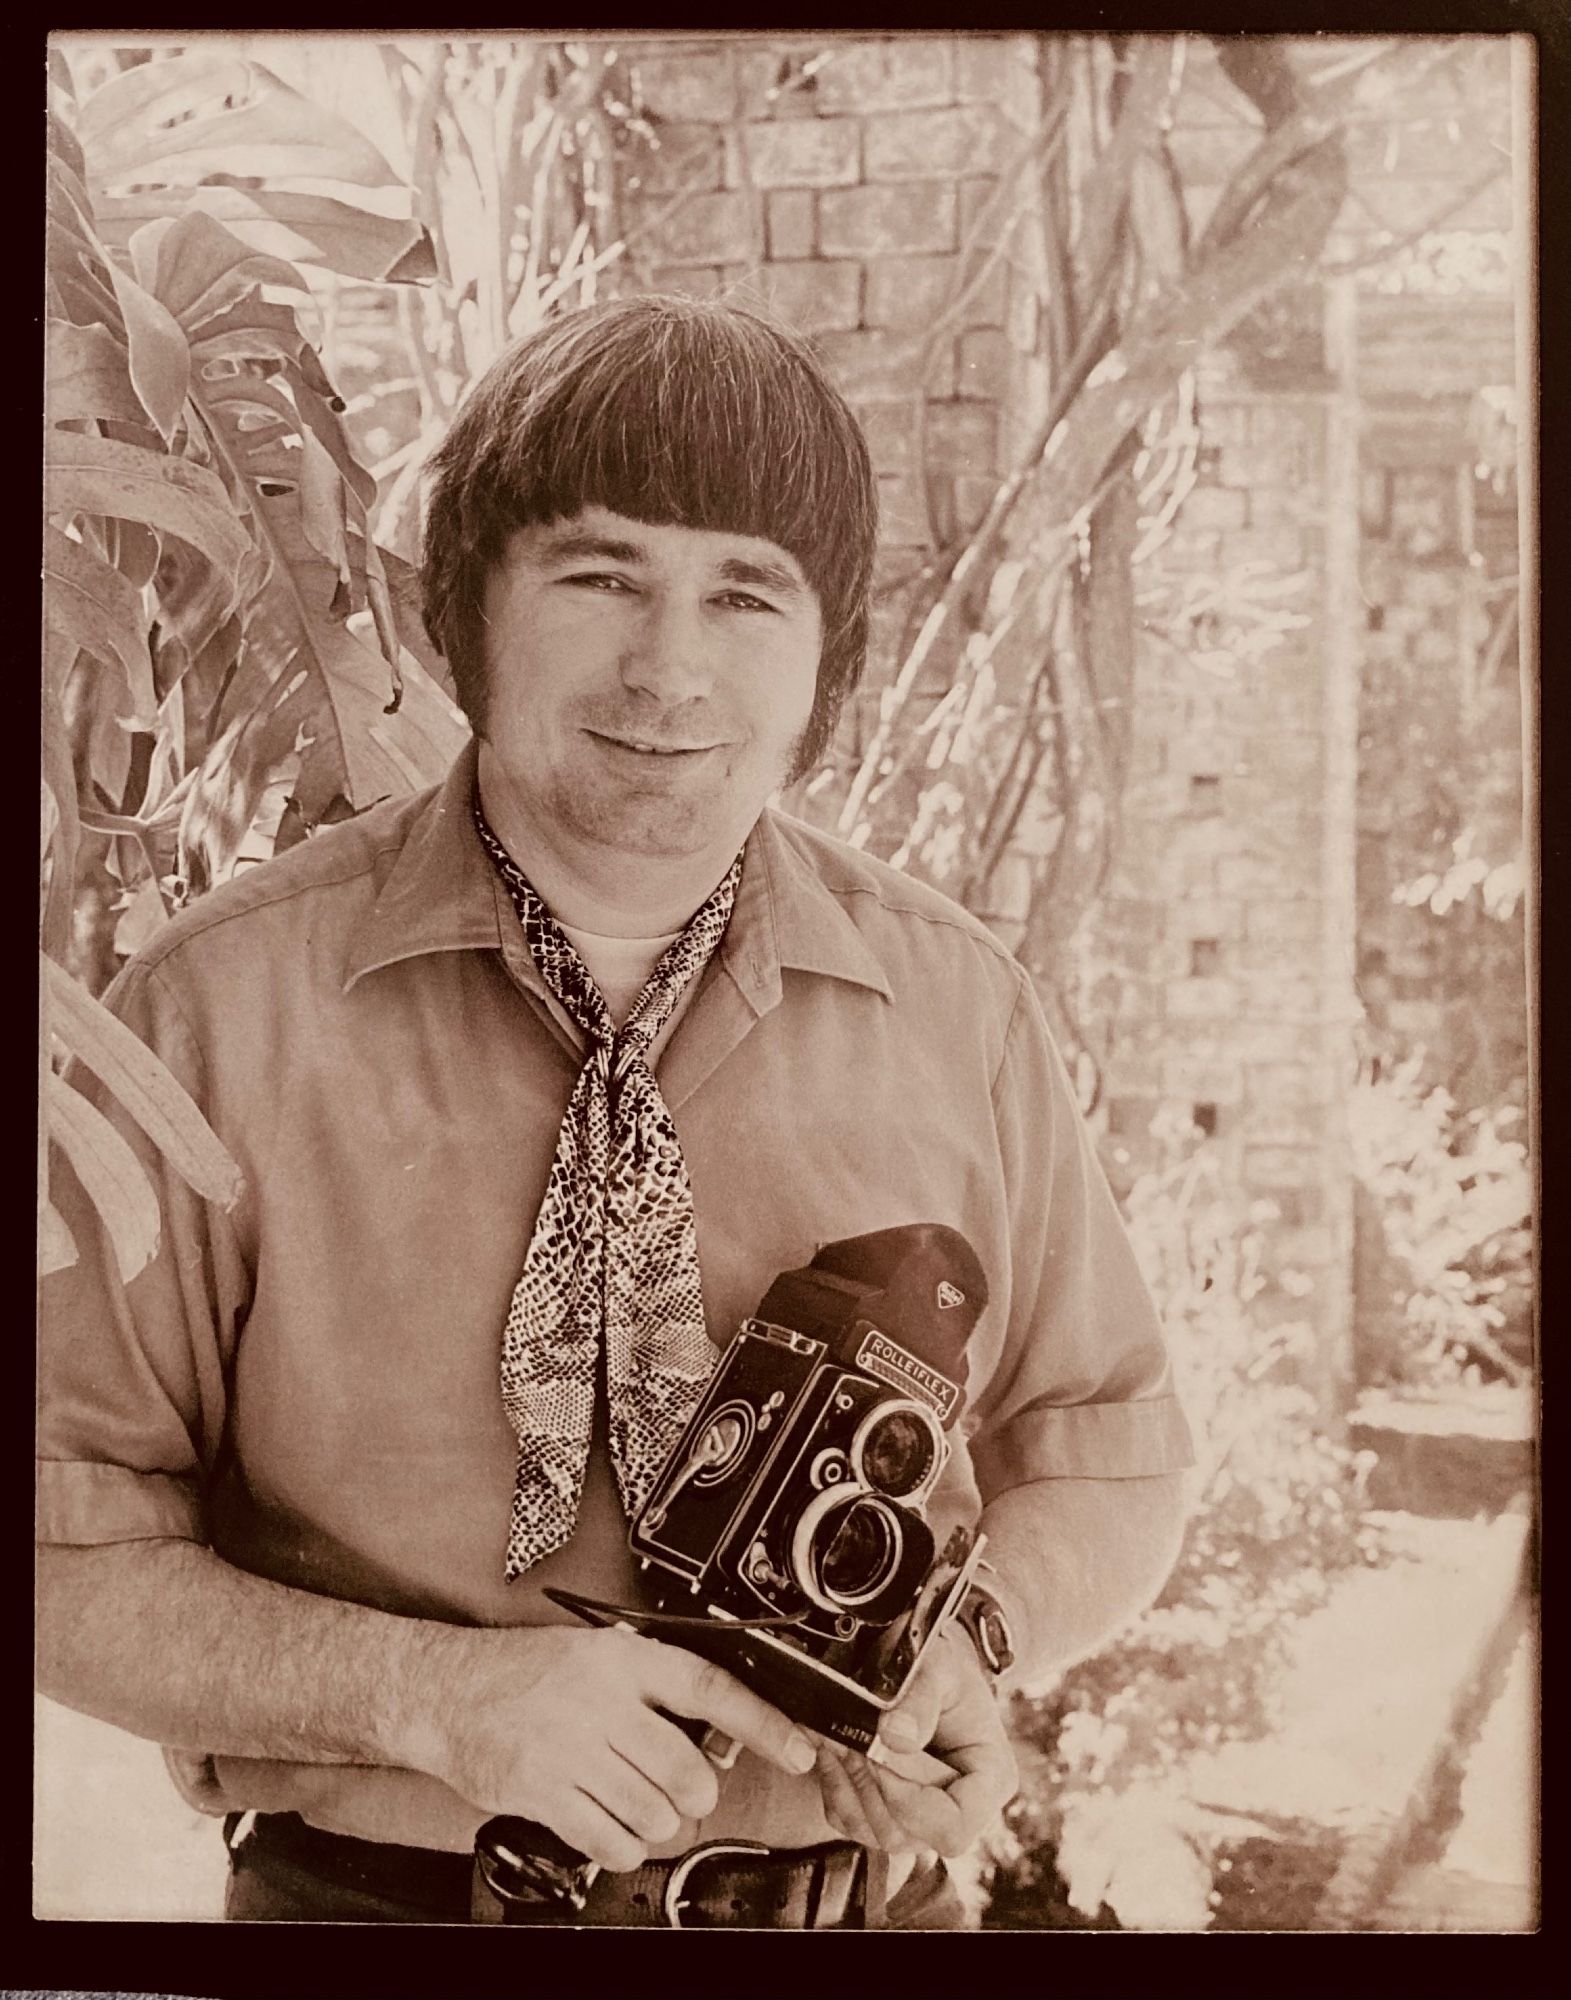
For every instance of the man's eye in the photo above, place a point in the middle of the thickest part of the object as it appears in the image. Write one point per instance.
(598, 580)
(742, 600)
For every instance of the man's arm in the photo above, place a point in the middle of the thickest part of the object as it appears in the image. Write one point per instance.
(554, 1723)
(1077, 1559)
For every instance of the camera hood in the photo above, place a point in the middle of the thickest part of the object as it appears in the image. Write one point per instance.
(899, 1303)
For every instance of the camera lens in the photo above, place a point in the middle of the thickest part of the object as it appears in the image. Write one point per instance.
(858, 1552)
(898, 1449)
(862, 1554)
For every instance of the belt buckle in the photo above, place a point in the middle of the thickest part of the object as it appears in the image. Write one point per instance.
(674, 1902)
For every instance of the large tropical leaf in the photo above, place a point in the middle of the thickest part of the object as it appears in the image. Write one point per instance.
(207, 110)
(377, 728)
(100, 611)
(96, 476)
(111, 1174)
(143, 1086)
(87, 376)
(213, 131)
(296, 225)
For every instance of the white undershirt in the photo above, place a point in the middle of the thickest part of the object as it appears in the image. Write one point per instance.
(619, 966)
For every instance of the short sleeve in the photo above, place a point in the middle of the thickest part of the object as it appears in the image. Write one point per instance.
(1083, 1387)
(131, 1376)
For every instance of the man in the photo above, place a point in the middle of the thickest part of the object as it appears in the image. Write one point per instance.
(569, 1058)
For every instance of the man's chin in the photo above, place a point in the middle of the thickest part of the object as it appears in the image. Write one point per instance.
(659, 828)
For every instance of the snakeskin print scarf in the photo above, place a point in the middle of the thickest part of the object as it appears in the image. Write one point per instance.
(614, 1254)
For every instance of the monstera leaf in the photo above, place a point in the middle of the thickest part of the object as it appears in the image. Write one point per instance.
(211, 131)
(99, 1155)
(219, 625)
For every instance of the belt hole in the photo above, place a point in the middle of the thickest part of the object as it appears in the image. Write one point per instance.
(641, 1901)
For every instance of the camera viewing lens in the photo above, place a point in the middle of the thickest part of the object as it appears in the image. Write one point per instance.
(898, 1449)
(862, 1554)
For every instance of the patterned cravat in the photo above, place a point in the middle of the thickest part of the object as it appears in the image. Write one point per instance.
(614, 1246)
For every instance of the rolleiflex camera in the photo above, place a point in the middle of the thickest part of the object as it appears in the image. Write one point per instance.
(793, 1503)
(785, 1538)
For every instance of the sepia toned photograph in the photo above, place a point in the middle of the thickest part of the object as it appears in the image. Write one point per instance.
(788, 1160)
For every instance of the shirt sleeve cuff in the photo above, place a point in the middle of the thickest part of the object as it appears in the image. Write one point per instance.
(83, 1503)
(1085, 1441)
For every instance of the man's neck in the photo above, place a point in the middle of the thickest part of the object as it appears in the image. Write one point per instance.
(602, 890)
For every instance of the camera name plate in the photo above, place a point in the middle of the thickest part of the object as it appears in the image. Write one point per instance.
(901, 1369)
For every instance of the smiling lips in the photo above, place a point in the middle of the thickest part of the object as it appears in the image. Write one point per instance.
(646, 748)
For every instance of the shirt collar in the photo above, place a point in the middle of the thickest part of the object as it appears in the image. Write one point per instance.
(442, 894)
(785, 916)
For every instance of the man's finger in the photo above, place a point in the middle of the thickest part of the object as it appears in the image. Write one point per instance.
(690, 1686)
(587, 1826)
(885, 1801)
(912, 1724)
(669, 1758)
(842, 1808)
(629, 1796)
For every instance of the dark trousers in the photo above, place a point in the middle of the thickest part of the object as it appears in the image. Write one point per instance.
(268, 1887)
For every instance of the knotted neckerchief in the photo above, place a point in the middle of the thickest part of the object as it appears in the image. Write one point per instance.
(614, 1246)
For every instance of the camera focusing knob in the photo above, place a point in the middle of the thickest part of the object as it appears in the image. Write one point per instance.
(720, 1442)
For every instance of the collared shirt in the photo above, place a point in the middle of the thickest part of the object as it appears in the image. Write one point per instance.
(309, 1383)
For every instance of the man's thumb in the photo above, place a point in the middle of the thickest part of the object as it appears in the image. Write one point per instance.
(901, 1731)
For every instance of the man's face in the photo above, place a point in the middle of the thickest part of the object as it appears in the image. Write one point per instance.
(647, 685)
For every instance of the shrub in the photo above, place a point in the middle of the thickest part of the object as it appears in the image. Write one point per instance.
(1454, 1197)
(1276, 1512)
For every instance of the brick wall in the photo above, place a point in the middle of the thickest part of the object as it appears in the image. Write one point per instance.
(1208, 988)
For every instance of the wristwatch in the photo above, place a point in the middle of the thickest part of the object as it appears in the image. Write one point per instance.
(987, 1622)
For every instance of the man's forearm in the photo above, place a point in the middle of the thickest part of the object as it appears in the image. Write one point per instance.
(1078, 1558)
(572, 1727)
(165, 1639)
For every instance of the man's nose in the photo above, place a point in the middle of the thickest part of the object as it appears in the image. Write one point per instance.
(670, 655)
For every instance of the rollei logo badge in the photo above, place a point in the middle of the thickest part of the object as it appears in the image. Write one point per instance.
(891, 1363)
(949, 1295)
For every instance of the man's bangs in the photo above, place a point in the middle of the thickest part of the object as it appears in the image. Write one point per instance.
(719, 435)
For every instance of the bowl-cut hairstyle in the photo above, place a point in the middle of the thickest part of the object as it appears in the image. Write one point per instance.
(670, 411)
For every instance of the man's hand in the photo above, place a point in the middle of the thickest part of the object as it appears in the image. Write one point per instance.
(950, 1710)
(562, 1726)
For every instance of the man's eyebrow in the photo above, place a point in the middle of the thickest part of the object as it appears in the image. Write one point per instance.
(577, 545)
(767, 575)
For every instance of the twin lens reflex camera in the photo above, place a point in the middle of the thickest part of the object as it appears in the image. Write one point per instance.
(786, 1537)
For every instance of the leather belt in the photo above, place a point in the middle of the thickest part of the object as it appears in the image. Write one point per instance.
(721, 1884)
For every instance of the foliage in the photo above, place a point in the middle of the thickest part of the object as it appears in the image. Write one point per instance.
(1003, 736)
(1453, 1195)
(1444, 845)
(223, 663)
(513, 148)
(1275, 1514)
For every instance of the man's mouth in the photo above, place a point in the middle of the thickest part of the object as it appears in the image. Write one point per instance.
(646, 746)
